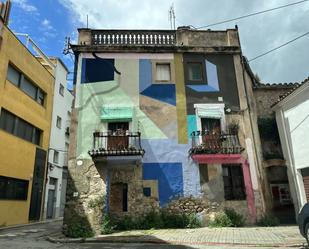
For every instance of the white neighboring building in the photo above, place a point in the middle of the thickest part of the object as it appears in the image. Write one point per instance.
(292, 116)
(55, 190)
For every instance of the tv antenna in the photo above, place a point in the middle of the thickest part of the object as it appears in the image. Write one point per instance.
(67, 46)
(171, 16)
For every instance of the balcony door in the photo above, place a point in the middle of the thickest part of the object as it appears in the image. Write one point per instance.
(118, 139)
(211, 130)
(211, 125)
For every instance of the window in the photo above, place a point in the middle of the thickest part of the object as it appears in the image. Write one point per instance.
(13, 76)
(58, 122)
(163, 72)
(7, 121)
(61, 90)
(19, 127)
(28, 88)
(56, 157)
(147, 191)
(13, 189)
(195, 71)
(53, 181)
(234, 188)
(41, 97)
(25, 84)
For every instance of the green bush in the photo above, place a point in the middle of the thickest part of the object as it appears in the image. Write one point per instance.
(106, 225)
(220, 220)
(152, 220)
(229, 218)
(158, 220)
(125, 223)
(80, 229)
(268, 221)
(237, 219)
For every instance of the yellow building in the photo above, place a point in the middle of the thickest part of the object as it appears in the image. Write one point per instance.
(26, 95)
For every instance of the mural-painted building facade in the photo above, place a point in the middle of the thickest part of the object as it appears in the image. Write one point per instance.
(160, 116)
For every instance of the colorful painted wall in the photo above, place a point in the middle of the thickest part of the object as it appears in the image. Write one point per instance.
(162, 111)
(159, 111)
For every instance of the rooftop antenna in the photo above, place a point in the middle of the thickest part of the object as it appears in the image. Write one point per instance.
(67, 47)
(87, 21)
(171, 16)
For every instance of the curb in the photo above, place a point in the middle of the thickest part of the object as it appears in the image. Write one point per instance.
(31, 224)
(171, 242)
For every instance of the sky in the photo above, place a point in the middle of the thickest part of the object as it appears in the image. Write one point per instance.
(48, 22)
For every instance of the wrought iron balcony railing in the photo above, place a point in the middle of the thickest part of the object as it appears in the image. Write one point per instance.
(133, 37)
(119, 143)
(205, 143)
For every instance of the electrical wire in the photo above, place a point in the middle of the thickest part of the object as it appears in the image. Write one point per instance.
(252, 14)
(276, 48)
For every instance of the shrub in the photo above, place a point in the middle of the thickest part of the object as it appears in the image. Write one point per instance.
(152, 220)
(237, 220)
(268, 221)
(192, 221)
(158, 220)
(127, 223)
(229, 218)
(79, 229)
(106, 225)
(220, 220)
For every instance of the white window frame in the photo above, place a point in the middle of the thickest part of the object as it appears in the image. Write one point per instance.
(215, 110)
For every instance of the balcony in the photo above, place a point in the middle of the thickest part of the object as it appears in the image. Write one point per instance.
(133, 37)
(116, 144)
(205, 143)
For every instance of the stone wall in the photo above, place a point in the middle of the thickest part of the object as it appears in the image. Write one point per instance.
(265, 97)
(205, 209)
(84, 190)
(138, 204)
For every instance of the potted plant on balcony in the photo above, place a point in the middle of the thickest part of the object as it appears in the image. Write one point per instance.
(233, 128)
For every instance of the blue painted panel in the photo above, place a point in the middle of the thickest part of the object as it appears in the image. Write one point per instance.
(145, 76)
(156, 151)
(162, 92)
(202, 88)
(191, 121)
(212, 84)
(170, 179)
(212, 75)
(96, 70)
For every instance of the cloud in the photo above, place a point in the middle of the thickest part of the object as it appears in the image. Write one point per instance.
(47, 30)
(23, 4)
(46, 25)
(258, 33)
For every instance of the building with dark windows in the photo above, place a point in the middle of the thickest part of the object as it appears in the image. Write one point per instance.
(26, 89)
(162, 118)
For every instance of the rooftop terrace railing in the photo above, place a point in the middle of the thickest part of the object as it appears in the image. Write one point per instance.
(133, 37)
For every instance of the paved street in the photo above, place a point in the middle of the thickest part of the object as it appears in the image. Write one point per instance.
(34, 237)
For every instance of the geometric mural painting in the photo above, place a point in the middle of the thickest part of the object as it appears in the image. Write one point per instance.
(96, 70)
(212, 75)
(169, 177)
(162, 114)
(162, 92)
